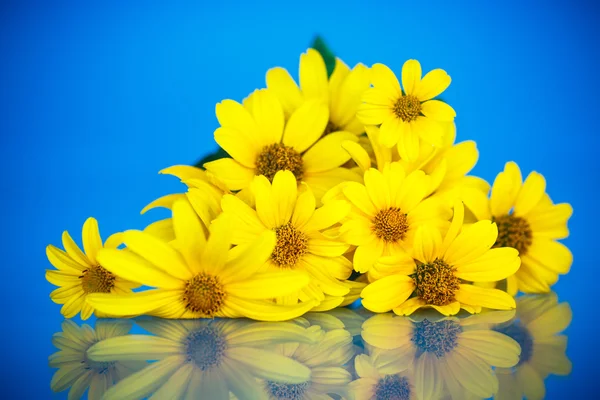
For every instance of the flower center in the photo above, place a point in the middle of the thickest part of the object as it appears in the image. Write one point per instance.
(513, 232)
(407, 108)
(287, 391)
(205, 347)
(390, 225)
(438, 338)
(97, 280)
(291, 245)
(436, 283)
(277, 157)
(392, 387)
(204, 294)
(521, 335)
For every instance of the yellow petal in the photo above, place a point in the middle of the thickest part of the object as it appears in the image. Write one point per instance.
(438, 110)
(134, 303)
(266, 311)
(433, 84)
(245, 260)
(553, 255)
(270, 366)
(359, 197)
(530, 194)
(428, 382)
(133, 348)
(185, 172)
(321, 245)
(157, 252)
(232, 173)
(344, 102)
(322, 277)
(490, 298)
(495, 348)
(327, 216)
(245, 219)
(385, 80)
(283, 86)
(269, 116)
(233, 115)
(476, 201)
(328, 152)
(377, 189)
(269, 285)
(162, 229)
(430, 130)
(455, 226)
(373, 114)
(190, 234)
(505, 190)
(494, 265)
(411, 76)
(241, 148)
(134, 268)
(92, 242)
(472, 242)
(215, 252)
(62, 278)
(266, 208)
(367, 254)
(313, 75)
(357, 231)
(305, 206)
(427, 243)
(306, 125)
(62, 261)
(358, 154)
(73, 250)
(284, 192)
(550, 222)
(387, 293)
(408, 143)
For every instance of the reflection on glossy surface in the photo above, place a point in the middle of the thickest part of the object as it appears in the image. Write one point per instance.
(341, 354)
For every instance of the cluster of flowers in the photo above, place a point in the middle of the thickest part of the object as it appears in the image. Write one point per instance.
(344, 186)
(339, 354)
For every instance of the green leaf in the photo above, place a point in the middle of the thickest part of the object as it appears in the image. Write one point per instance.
(320, 46)
(220, 153)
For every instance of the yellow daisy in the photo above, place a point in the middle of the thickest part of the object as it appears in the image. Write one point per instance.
(77, 371)
(326, 359)
(204, 358)
(447, 355)
(342, 91)
(386, 211)
(196, 276)
(407, 115)
(302, 240)
(80, 274)
(443, 268)
(378, 379)
(206, 189)
(261, 142)
(530, 222)
(536, 327)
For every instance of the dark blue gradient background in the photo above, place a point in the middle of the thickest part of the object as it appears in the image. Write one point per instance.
(95, 99)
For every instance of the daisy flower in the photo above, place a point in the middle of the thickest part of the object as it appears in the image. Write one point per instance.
(407, 115)
(342, 91)
(326, 360)
(537, 328)
(443, 267)
(197, 276)
(530, 222)
(446, 355)
(79, 274)
(386, 211)
(302, 241)
(261, 142)
(204, 358)
(77, 371)
(377, 379)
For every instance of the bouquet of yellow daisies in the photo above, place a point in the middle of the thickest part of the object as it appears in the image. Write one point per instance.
(345, 185)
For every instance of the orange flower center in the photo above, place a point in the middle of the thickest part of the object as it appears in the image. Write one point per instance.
(407, 108)
(513, 232)
(436, 283)
(97, 280)
(204, 294)
(291, 245)
(390, 225)
(278, 157)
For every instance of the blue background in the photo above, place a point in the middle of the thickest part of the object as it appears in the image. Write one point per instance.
(96, 98)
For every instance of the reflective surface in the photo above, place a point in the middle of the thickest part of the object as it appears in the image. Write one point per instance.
(342, 354)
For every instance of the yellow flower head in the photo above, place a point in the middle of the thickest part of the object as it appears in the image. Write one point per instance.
(198, 276)
(537, 328)
(80, 274)
(448, 355)
(342, 92)
(303, 243)
(408, 115)
(443, 268)
(204, 358)
(261, 142)
(530, 222)
(77, 371)
(386, 211)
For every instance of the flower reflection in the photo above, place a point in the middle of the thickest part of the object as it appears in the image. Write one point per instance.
(76, 370)
(449, 356)
(380, 379)
(536, 327)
